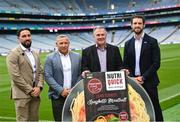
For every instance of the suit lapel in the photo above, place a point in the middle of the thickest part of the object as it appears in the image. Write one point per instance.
(96, 58)
(72, 62)
(144, 44)
(25, 56)
(133, 49)
(59, 62)
(35, 57)
(108, 56)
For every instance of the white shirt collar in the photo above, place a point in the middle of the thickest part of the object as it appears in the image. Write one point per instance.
(63, 54)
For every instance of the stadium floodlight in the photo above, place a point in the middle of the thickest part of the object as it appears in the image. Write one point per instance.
(50, 30)
(112, 6)
(55, 30)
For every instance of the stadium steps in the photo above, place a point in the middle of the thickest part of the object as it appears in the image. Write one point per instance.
(84, 38)
(170, 34)
(124, 38)
(27, 3)
(10, 40)
(14, 6)
(43, 42)
(152, 29)
(5, 48)
(50, 37)
(15, 43)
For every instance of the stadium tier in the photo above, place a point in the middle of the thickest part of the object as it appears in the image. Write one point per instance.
(80, 40)
(77, 18)
(82, 6)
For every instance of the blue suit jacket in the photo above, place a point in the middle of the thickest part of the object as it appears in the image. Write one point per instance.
(53, 72)
(149, 59)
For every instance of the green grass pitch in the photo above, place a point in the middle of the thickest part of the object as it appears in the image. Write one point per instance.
(169, 87)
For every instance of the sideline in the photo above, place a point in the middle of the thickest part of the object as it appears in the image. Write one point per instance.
(170, 59)
(170, 97)
(5, 89)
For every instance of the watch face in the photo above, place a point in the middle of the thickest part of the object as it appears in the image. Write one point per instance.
(76, 92)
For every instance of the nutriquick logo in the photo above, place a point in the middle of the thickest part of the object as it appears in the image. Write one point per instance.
(94, 86)
(115, 81)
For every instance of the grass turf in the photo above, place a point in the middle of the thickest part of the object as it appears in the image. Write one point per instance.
(168, 73)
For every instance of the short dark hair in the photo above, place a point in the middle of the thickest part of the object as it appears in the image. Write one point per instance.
(22, 29)
(138, 16)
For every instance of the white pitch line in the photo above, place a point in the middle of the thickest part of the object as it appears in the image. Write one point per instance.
(5, 89)
(170, 97)
(169, 59)
(9, 118)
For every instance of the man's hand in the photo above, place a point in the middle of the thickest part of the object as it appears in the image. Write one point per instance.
(35, 92)
(84, 73)
(126, 71)
(139, 80)
(65, 92)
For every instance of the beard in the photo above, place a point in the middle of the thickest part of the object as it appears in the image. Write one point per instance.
(26, 45)
(138, 32)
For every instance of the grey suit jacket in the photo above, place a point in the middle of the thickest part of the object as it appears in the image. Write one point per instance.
(53, 72)
(21, 73)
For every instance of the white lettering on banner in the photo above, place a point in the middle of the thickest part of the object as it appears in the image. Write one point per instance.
(115, 80)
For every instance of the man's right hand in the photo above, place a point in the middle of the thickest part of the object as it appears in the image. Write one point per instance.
(84, 73)
(65, 92)
(139, 80)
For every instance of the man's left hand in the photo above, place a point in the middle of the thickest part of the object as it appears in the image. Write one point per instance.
(139, 80)
(36, 92)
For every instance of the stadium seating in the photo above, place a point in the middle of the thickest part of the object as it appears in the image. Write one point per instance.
(81, 6)
(79, 40)
(46, 42)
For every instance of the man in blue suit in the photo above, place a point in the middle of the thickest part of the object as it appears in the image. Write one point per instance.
(142, 59)
(62, 72)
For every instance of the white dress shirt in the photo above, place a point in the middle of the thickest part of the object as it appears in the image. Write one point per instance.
(28, 53)
(102, 58)
(66, 64)
(138, 45)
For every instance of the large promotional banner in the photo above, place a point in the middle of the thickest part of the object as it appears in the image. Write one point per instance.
(106, 96)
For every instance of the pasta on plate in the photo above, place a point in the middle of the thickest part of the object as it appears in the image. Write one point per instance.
(137, 108)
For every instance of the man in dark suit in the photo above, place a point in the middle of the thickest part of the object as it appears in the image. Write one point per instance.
(62, 71)
(102, 56)
(142, 59)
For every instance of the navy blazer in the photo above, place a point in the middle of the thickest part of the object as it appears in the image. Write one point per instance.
(53, 72)
(149, 59)
(90, 59)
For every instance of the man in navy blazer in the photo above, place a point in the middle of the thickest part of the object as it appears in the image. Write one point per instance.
(102, 56)
(62, 71)
(142, 59)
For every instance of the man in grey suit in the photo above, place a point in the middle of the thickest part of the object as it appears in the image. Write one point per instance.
(27, 77)
(62, 72)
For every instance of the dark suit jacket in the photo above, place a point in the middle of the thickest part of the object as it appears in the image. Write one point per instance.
(149, 59)
(90, 59)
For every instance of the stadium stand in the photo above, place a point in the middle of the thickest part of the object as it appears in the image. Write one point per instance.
(78, 17)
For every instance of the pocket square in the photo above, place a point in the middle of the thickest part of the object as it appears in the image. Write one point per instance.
(145, 42)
